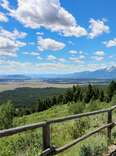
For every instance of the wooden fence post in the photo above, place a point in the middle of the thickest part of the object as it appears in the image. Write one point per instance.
(109, 128)
(46, 136)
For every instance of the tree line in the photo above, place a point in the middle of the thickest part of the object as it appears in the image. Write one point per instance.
(77, 93)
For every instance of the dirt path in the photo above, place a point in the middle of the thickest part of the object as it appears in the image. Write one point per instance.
(111, 151)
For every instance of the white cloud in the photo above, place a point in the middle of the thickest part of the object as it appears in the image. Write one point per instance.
(39, 58)
(51, 58)
(54, 58)
(76, 31)
(9, 43)
(15, 34)
(3, 17)
(5, 4)
(32, 53)
(46, 13)
(82, 56)
(73, 52)
(97, 27)
(110, 43)
(98, 58)
(99, 53)
(49, 44)
(61, 59)
(8, 66)
(77, 59)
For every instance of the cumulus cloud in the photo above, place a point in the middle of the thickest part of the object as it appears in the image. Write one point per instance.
(46, 13)
(32, 53)
(82, 56)
(3, 17)
(51, 58)
(110, 43)
(76, 60)
(99, 55)
(5, 4)
(97, 27)
(9, 43)
(54, 58)
(99, 58)
(15, 34)
(79, 59)
(62, 60)
(75, 52)
(49, 44)
(9, 66)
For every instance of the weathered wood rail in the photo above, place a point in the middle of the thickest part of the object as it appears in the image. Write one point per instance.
(49, 149)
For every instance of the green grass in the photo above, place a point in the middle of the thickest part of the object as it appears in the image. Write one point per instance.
(30, 143)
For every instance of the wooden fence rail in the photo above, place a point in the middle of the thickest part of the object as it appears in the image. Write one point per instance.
(48, 149)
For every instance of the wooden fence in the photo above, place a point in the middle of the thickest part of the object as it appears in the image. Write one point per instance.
(48, 149)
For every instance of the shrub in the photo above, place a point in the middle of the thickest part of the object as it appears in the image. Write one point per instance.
(80, 127)
(86, 150)
(95, 147)
(76, 108)
(6, 115)
(113, 102)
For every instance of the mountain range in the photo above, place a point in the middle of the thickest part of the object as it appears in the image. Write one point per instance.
(106, 73)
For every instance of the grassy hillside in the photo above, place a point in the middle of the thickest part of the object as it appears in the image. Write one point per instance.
(30, 143)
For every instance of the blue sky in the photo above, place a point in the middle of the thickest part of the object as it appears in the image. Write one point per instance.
(56, 36)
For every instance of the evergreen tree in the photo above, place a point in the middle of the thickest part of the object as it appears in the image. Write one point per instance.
(101, 95)
(111, 89)
(69, 95)
(89, 92)
(77, 94)
(60, 99)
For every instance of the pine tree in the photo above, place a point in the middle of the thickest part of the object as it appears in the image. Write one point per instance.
(111, 89)
(89, 93)
(101, 95)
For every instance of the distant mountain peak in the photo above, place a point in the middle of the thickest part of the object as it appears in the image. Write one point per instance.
(110, 69)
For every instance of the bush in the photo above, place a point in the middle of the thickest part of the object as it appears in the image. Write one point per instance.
(80, 127)
(113, 102)
(76, 108)
(95, 147)
(6, 115)
(86, 150)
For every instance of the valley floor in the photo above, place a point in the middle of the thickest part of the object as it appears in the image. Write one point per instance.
(31, 84)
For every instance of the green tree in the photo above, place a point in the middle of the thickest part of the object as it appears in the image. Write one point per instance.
(101, 95)
(96, 93)
(89, 93)
(111, 89)
(69, 95)
(77, 93)
(6, 115)
(60, 99)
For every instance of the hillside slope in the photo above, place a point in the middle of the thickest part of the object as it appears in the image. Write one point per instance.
(30, 143)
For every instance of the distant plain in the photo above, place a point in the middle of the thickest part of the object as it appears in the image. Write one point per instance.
(31, 84)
